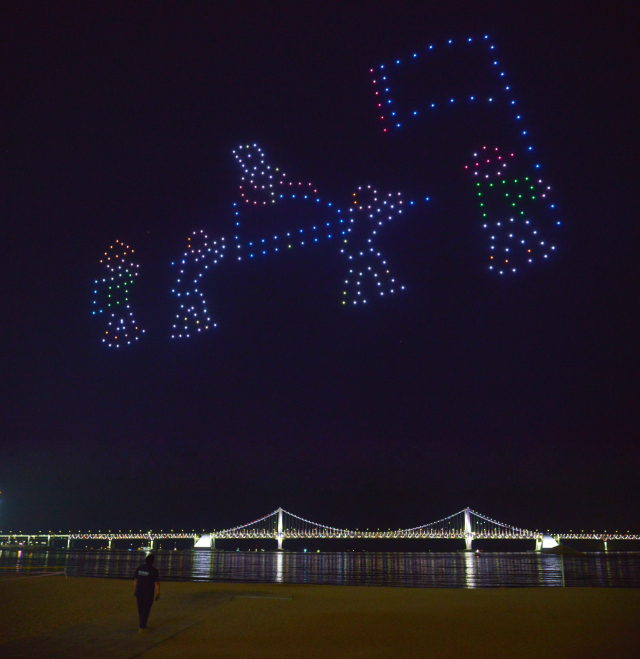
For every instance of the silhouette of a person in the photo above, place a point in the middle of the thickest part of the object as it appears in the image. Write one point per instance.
(146, 580)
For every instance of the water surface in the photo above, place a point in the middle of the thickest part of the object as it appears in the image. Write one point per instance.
(417, 570)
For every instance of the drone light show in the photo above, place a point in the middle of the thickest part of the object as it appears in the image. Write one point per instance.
(462, 81)
(112, 293)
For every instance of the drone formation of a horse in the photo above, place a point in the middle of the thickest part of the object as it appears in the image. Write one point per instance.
(515, 211)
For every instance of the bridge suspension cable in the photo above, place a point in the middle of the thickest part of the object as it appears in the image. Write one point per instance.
(259, 528)
(464, 524)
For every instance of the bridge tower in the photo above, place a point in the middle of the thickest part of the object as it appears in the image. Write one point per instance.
(468, 534)
(279, 533)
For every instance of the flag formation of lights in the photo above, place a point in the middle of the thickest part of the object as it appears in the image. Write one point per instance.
(111, 297)
(516, 212)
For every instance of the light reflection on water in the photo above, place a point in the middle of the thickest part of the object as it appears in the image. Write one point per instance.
(421, 570)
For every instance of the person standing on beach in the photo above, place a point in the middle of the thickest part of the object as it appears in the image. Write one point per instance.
(146, 580)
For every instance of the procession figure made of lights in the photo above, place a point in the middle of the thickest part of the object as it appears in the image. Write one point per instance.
(354, 229)
(516, 210)
(112, 297)
(507, 208)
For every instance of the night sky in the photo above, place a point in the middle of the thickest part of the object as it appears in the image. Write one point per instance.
(516, 396)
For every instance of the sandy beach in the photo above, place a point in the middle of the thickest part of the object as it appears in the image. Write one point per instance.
(54, 616)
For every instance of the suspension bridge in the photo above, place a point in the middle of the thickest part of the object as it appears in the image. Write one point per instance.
(280, 525)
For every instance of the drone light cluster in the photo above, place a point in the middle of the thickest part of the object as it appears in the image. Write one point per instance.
(111, 297)
(510, 206)
(515, 204)
(262, 185)
(394, 112)
(369, 272)
(193, 315)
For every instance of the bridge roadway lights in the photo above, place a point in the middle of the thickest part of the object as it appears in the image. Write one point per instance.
(207, 540)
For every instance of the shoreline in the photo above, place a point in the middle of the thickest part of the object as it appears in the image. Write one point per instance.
(83, 616)
(200, 550)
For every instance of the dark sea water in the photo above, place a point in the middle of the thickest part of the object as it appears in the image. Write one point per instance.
(416, 570)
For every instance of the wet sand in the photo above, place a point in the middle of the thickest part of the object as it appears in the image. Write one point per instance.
(78, 617)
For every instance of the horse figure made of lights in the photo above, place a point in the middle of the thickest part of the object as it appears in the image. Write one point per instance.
(354, 229)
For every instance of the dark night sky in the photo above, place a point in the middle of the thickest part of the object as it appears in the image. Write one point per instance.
(517, 398)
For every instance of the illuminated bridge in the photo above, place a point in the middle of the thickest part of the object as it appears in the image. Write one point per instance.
(281, 525)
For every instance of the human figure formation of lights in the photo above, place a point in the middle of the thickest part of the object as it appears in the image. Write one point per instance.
(507, 206)
(111, 297)
(274, 214)
(354, 228)
(368, 272)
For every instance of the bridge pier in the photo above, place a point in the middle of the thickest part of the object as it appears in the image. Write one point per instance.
(205, 541)
(468, 534)
(68, 542)
(110, 540)
(539, 543)
(279, 534)
(605, 546)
